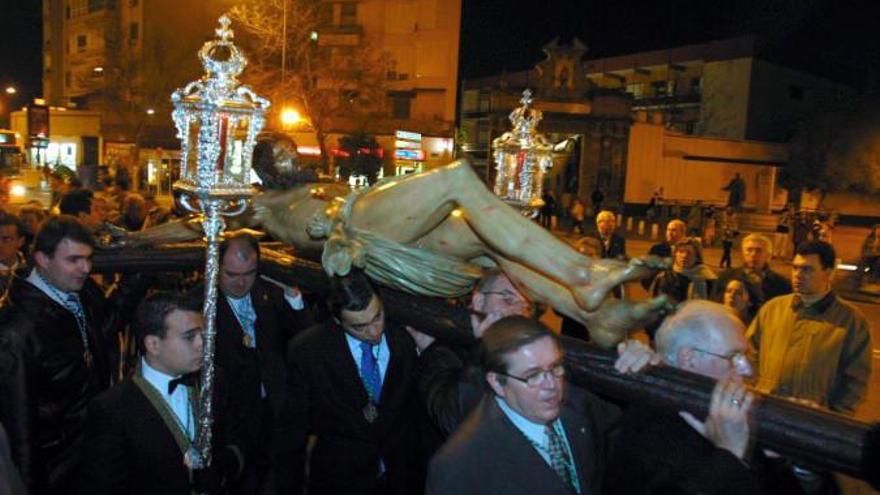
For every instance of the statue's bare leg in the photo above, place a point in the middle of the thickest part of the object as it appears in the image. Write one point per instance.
(608, 325)
(409, 209)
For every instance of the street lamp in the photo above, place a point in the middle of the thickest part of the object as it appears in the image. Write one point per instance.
(11, 90)
(290, 117)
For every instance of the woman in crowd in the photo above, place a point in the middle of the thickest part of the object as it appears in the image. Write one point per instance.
(688, 278)
(742, 298)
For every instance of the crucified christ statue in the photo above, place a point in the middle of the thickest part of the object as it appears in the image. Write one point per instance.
(431, 234)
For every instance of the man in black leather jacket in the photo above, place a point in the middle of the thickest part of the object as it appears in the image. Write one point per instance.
(60, 333)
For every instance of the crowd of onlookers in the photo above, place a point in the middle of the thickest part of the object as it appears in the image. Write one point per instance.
(99, 375)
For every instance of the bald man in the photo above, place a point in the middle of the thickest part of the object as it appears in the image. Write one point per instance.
(660, 452)
(675, 231)
(255, 319)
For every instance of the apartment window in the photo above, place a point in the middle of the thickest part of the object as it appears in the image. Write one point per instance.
(133, 33)
(400, 107)
(325, 14)
(132, 3)
(637, 90)
(81, 42)
(696, 85)
(348, 14)
(796, 92)
(77, 8)
(96, 5)
(659, 88)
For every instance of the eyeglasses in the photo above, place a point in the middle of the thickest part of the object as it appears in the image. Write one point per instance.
(534, 380)
(735, 358)
(507, 296)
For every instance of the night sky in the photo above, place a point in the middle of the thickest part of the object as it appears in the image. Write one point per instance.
(836, 39)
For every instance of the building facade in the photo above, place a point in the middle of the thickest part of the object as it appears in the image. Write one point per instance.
(123, 58)
(725, 88)
(590, 124)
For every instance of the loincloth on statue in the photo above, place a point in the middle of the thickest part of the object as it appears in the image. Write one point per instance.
(392, 264)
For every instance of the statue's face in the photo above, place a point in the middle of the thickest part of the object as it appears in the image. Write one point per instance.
(285, 157)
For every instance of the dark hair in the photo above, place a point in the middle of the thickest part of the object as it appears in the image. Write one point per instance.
(826, 253)
(55, 229)
(693, 243)
(508, 335)
(352, 292)
(250, 240)
(149, 319)
(264, 163)
(75, 202)
(754, 291)
(9, 219)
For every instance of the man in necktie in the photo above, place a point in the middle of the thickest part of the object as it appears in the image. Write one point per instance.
(255, 319)
(531, 434)
(351, 386)
(140, 431)
(71, 329)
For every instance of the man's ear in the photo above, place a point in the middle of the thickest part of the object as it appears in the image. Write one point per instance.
(42, 259)
(151, 344)
(685, 358)
(493, 379)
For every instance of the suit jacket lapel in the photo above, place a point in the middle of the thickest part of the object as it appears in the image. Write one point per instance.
(224, 311)
(514, 449)
(580, 440)
(340, 364)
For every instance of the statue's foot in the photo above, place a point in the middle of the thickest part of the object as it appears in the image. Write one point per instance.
(606, 274)
(615, 319)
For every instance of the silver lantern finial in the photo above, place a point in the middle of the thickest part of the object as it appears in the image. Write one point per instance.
(217, 122)
(522, 156)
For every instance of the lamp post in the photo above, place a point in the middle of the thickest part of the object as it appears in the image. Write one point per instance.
(217, 122)
(522, 156)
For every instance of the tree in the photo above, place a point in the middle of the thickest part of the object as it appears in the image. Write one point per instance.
(134, 86)
(360, 154)
(331, 73)
(837, 149)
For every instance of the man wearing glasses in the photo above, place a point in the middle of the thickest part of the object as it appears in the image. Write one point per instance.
(350, 385)
(527, 436)
(657, 451)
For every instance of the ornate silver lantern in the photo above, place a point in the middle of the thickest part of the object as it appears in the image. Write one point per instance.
(217, 123)
(522, 156)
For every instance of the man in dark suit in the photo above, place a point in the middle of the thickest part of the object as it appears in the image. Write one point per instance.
(255, 320)
(611, 244)
(662, 452)
(351, 385)
(525, 438)
(140, 432)
(62, 331)
(675, 231)
(756, 252)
